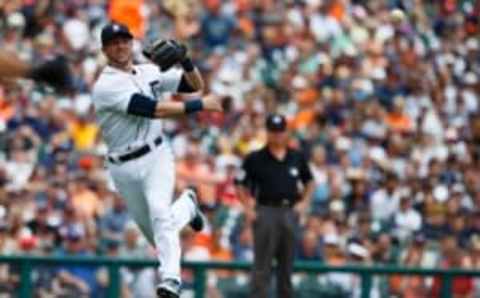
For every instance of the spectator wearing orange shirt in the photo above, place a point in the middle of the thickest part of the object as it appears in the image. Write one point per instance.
(397, 120)
(7, 109)
(218, 252)
(192, 170)
(305, 96)
(129, 13)
(84, 200)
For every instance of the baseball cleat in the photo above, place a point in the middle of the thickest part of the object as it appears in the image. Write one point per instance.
(199, 220)
(168, 288)
(164, 293)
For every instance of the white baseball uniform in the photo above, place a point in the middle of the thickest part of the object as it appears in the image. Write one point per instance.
(146, 182)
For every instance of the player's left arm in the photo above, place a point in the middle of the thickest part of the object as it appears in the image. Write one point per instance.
(191, 80)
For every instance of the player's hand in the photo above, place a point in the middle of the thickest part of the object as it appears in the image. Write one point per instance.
(212, 102)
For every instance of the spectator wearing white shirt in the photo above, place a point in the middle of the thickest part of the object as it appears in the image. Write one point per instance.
(319, 168)
(323, 25)
(406, 220)
(140, 280)
(385, 200)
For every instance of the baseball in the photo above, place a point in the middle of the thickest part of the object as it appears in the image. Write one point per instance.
(397, 15)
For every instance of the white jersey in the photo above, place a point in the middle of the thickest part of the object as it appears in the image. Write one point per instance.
(111, 95)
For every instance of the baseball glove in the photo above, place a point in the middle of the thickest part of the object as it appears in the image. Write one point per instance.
(165, 53)
(55, 73)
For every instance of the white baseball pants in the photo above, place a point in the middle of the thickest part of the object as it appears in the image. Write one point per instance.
(147, 185)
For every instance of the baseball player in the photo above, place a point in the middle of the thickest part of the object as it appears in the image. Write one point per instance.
(129, 103)
(55, 72)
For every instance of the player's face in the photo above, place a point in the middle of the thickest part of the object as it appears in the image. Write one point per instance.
(119, 50)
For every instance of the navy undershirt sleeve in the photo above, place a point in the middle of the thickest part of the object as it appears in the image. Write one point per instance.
(184, 86)
(141, 105)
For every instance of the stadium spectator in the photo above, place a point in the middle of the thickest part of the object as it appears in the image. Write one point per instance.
(75, 280)
(309, 247)
(407, 220)
(463, 285)
(243, 247)
(140, 281)
(410, 286)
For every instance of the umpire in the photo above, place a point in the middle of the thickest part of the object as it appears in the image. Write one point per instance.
(275, 184)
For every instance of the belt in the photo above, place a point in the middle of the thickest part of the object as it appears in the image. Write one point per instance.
(136, 153)
(276, 203)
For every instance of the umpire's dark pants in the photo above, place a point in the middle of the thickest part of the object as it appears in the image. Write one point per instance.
(273, 239)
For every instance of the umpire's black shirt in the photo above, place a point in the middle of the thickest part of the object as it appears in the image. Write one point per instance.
(271, 180)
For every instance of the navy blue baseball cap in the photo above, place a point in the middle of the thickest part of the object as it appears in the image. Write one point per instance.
(113, 30)
(276, 123)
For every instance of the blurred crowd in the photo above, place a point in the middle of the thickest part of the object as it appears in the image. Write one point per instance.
(384, 105)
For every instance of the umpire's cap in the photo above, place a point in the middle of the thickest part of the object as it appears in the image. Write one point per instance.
(276, 123)
(113, 30)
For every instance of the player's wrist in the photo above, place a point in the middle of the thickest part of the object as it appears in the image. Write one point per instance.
(187, 64)
(193, 106)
